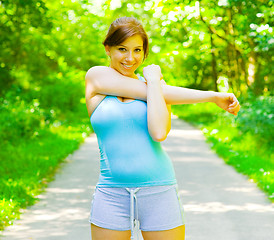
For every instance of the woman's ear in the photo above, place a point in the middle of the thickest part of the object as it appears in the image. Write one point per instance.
(107, 49)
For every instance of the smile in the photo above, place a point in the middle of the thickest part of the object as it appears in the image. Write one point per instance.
(127, 66)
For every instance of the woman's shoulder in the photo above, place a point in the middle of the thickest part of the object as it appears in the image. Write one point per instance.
(93, 71)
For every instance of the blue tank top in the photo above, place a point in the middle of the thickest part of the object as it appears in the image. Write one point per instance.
(129, 157)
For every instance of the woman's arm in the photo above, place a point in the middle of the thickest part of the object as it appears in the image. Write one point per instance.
(179, 95)
(158, 113)
(107, 81)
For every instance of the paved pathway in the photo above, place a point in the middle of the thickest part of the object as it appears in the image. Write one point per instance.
(220, 204)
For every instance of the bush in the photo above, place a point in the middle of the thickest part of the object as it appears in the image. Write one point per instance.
(19, 119)
(257, 118)
(62, 91)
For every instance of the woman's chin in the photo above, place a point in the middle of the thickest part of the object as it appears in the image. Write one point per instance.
(128, 73)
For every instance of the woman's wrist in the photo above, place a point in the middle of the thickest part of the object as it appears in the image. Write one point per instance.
(214, 96)
(153, 82)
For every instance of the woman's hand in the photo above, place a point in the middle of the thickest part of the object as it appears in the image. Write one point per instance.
(152, 73)
(228, 102)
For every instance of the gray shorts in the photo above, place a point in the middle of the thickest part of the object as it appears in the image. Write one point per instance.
(153, 208)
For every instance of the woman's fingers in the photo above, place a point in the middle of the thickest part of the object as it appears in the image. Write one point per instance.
(235, 109)
(234, 106)
(231, 98)
(152, 72)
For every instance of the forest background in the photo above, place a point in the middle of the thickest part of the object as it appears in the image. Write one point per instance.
(47, 47)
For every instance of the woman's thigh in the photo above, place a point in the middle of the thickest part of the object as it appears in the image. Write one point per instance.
(177, 233)
(98, 233)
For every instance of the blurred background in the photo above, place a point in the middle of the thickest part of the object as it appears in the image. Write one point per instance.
(46, 47)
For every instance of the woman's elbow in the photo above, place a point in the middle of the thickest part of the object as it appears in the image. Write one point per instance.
(159, 134)
(159, 137)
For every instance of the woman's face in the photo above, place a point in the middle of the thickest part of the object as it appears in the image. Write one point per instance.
(128, 56)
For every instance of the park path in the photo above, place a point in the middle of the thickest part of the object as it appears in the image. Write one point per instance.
(220, 204)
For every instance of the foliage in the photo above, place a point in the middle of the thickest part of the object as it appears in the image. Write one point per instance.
(19, 119)
(47, 46)
(257, 118)
(23, 25)
(207, 43)
(245, 141)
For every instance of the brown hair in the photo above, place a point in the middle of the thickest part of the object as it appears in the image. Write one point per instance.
(123, 28)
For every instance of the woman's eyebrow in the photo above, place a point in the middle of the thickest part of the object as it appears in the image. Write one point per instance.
(126, 46)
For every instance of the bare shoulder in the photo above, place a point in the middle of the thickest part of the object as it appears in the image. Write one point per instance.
(98, 71)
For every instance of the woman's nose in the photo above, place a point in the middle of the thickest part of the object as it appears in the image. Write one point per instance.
(129, 56)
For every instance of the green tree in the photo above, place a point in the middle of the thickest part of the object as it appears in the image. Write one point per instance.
(22, 25)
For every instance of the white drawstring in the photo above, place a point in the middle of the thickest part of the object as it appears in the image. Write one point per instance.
(133, 222)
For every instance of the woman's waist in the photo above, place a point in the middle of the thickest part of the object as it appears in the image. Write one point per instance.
(127, 173)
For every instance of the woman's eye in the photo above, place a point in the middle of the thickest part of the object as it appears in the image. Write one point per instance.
(138, 50)
(122, 49)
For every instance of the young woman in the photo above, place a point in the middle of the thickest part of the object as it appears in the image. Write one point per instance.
(131, 115)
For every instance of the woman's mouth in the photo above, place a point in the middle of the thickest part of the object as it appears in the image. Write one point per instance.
(127, 66)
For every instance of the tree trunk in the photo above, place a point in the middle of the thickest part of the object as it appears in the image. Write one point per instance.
(230, 72)
(213, 63)
(259, 83)
(234, 54)
(251, 68)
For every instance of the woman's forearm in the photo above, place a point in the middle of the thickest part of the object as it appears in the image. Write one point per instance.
(158, 113)
(179, 95)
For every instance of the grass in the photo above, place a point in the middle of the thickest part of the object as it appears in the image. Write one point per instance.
(244, 142)
(28, 164)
